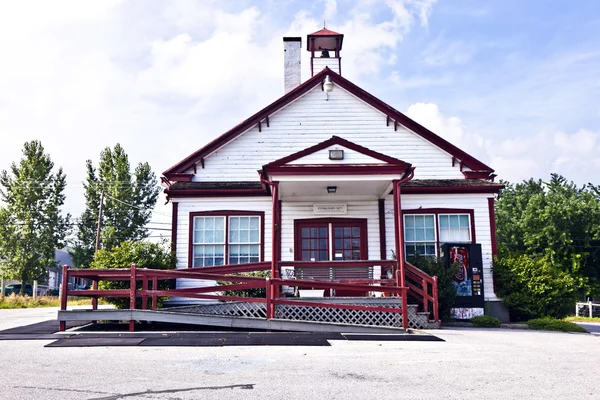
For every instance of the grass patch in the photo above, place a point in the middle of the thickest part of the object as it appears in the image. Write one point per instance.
(582, 319)
(485, 321)
(14, 301)
(553, 324)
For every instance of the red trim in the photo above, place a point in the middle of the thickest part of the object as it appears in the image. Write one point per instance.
(492, 213)
(215, 193)
(226, 214)
(438, 211)
(174, 226)
(476, 174)
(294, 94)
(337, 169)
(324, 32)
(333, 141)
(382, 236)
(181, 177)
(452, 189)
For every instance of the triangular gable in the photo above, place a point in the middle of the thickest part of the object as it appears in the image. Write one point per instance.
(384, 165)
(394, 117)
(336, 140)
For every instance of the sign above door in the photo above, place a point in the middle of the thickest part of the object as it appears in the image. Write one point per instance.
(330, 209)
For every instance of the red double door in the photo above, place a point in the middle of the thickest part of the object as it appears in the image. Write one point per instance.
(332, 239)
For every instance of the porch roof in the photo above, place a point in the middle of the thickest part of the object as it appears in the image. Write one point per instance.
(415, 186)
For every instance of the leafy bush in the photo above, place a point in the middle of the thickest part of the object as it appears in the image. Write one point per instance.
(446, 292)
(255, 292)
(143, 255)
(553, 324)
(532, 288)
(486, 321)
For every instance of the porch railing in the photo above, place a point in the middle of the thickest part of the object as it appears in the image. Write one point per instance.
(424, 287)
(421, 286)
(150, 288)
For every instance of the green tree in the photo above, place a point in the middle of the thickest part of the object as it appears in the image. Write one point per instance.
(142, 254)
(555, 221)
(531, 287)
(552, 228)
(127, 204)
(32, 226)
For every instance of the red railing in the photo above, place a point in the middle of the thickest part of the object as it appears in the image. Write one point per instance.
(424, 287)
(150, 277)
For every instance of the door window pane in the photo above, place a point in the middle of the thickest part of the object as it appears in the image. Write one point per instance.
(347, 242)
(314, 243)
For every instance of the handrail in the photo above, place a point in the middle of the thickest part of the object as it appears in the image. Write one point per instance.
(336, 263)
(427, 282)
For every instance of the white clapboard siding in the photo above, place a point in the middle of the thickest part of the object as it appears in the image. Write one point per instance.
(212, 204)
(310, 120)
(292, 211)
(350, 157)
(477, 202)
(319, 64)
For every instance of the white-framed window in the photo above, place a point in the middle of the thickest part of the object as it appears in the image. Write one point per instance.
(424, 232)
(209, 241)
(244, 239)
(225, 239)
(455, 228)
(419, 235)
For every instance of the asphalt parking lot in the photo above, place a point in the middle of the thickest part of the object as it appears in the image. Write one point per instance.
(469, 364)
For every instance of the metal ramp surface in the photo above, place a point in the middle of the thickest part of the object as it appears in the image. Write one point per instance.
(226, 321)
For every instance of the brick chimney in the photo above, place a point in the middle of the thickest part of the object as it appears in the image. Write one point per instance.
(292, 47)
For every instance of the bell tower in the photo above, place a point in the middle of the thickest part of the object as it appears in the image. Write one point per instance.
(325, 47)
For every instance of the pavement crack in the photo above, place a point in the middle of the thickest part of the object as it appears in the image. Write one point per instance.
(62, 389)
(167, 391)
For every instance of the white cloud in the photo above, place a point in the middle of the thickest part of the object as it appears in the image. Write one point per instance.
(573, 155)
(441, 52)
(330, 9)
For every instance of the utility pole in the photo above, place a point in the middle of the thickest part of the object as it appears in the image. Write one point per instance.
(99, 221)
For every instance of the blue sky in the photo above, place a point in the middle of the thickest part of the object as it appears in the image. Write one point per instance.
(515, 83)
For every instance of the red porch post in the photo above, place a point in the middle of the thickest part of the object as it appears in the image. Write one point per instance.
(63, 295)
(95, 299)
(275, 231)
(398, 236)
(132, 286)
(154, 297)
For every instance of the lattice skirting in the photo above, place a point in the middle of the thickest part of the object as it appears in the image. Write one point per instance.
(320, 314)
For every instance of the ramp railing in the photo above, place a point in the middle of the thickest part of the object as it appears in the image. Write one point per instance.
(142, 283)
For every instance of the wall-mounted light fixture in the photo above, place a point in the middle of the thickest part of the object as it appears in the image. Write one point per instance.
(327, 87)
(336, 154)
(331, 189)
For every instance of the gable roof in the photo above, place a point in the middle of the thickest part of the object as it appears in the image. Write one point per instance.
(262, 116)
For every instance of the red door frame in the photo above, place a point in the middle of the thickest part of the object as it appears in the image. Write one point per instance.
(360, 222)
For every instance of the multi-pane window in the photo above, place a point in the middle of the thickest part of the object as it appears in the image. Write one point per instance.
(419, 235)
(244, 240)
(211, 246)
(454, 228)
(209, 241)
(424, 232)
